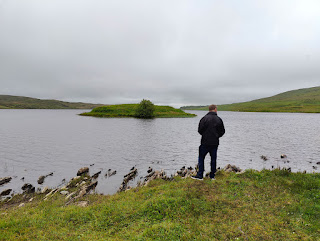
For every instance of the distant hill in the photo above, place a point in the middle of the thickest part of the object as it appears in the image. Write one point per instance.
(301, 100)
(20, 102)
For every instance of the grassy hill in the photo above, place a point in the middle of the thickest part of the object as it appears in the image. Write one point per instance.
(128, 110)
(301, 100)
(266, 205)
(20, 102)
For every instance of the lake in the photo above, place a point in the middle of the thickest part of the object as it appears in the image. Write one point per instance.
(37, 142)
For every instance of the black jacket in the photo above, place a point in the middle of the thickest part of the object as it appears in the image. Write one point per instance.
(211, 128)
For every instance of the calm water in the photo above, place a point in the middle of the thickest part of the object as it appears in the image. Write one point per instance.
(37, 142)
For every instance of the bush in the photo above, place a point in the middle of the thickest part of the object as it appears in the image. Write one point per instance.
(145, 109)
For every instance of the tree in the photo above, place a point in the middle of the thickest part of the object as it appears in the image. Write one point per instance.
(145, 109)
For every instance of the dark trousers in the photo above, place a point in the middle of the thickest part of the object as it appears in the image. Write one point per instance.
(203, 151)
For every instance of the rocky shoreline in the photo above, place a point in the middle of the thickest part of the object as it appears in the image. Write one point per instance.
(84, 184)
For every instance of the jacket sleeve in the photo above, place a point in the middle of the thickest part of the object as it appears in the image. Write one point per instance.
(202, 126)
(221, 129)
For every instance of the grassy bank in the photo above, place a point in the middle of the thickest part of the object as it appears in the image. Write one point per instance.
(21, 102)
(266, 205)
(301, 101)
(128, 110)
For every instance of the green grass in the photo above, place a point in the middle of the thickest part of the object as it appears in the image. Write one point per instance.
(20, 102)
(266, 205)
(302, 101)
(128, 110)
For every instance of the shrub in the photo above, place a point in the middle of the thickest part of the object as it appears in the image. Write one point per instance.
(145, 109)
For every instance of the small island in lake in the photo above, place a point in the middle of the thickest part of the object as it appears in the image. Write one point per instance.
(129, 110)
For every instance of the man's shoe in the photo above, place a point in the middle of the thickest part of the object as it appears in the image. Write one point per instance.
(197, 177)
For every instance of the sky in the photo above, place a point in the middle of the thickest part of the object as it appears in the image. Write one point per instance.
(172, 52)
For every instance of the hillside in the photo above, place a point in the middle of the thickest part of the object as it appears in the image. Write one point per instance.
(128, 110)
(301, 100)
(20, 102)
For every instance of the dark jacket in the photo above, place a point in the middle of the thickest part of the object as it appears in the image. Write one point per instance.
(211, 128)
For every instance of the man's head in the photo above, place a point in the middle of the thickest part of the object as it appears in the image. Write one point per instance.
(212, 108)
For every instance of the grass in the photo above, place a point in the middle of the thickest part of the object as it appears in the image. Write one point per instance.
(301, 101)
(20, 102)
(265, 205)
(128, 110)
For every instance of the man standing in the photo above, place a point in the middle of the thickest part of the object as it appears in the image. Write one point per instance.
(211, 128)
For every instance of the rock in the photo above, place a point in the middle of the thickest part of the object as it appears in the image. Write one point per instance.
(44, 190)
(82, 204)
(128, 177)
(263, 157)
(149, 170)
(41, 179)
(283, 156)
(64, 192)
(91, 186)
(31, 199)
(53, 191)
(5, 180)
(96, 175)
(82, 171)
(5, 192)
(21, 205)
(28, 188)
(70, 195)
(231, 168)
(318, 163)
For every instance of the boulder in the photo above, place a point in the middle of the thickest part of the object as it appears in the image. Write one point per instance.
(64, 192)
(5, 180)
(231, 168)
(41, 179)
(28, 188)
(82, 171)
(96, 175)
(5, 192)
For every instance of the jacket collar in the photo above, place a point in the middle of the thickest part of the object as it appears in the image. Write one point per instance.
(212, 113)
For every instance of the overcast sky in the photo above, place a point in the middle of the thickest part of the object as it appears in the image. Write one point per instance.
(176, 52)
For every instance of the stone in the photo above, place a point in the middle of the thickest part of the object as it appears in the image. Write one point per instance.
(5, 180)
(231, 168)
(283, 156)
(64, 192)
(41, 179)
(21, 205)
(5, 192)
(96, 175)
(82, 171)
(28, 188)
(70, 195)
(44, 190)
(31, 199)
(83, 204)
(92, 186)
(318, 163)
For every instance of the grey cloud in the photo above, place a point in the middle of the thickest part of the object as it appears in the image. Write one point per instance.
(172, 52)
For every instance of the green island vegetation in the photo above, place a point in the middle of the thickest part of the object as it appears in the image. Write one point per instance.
(302, 101)
(21, 102)
(253, 205)
(131, 110)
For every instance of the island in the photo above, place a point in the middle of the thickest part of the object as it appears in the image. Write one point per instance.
(128, 110)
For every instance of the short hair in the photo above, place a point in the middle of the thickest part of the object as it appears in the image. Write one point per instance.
(212, 107)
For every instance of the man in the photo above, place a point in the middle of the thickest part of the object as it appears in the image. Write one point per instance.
(211, 128)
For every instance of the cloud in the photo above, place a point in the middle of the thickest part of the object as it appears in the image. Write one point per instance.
(172, 52)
